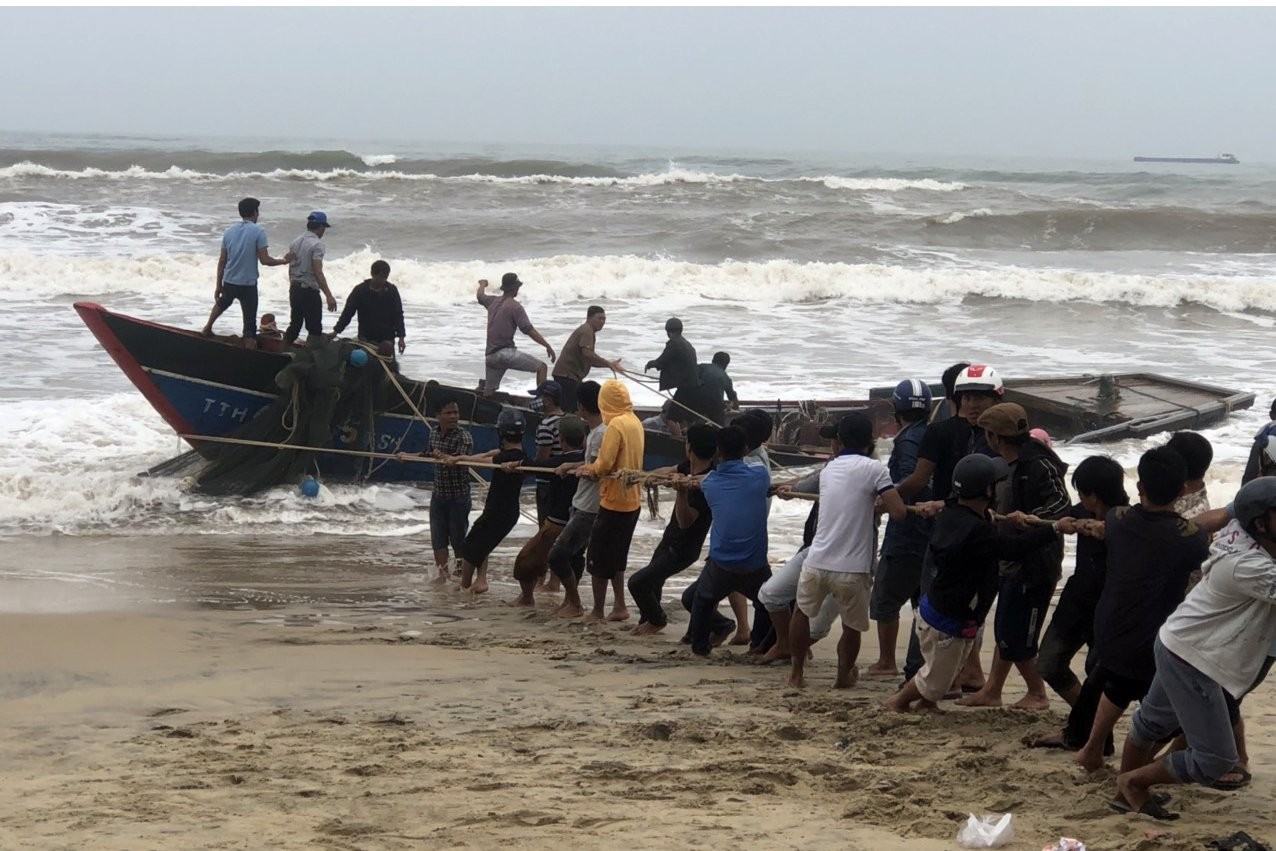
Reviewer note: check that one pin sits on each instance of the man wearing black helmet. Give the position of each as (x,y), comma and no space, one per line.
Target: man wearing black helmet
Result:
(1216,642)
(500,512)
(677,364)
(505,316)
(899,570)
(963,558)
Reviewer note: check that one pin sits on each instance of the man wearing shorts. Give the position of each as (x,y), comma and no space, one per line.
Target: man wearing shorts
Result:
(505,316)
(618,503)
(840,561)
(532,561)
(1036,487)
(1152,551)
(737,562)
(962,561)
(450,496)
(243,247)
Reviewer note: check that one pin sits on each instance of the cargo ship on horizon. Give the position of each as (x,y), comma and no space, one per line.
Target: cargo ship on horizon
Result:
(1224,159)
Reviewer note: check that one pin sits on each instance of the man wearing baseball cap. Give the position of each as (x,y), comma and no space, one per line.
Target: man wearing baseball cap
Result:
(549,394)
(1037,488)
(504,317)
(306,279)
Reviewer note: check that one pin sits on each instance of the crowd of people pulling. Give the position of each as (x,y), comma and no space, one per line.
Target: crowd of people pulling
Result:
(1174,601)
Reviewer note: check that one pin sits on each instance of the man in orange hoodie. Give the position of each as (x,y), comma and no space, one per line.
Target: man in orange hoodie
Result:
(619,504)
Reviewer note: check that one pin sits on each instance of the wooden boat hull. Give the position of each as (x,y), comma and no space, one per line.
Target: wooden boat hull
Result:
(207,386)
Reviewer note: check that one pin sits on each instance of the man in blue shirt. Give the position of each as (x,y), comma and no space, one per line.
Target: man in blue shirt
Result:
(737,497)
(243,247)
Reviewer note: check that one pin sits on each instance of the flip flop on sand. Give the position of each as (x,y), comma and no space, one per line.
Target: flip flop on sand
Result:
(1239,841)
(1155,807)
(1242,780)
(1047,740)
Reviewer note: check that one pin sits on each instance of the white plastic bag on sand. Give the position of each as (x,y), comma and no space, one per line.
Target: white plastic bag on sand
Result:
(991,831)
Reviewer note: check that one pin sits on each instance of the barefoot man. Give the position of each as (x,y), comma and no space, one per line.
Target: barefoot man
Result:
(683,540)
(567,556)
(840,561)
(962,560)
(533,559)
(450,496)
(618,503)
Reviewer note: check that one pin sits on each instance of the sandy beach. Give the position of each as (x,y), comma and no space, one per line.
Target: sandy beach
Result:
(457,722)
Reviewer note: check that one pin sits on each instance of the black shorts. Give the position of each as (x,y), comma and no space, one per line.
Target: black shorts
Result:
(486,535)
(1021,613)
(1120,689)
(608,554)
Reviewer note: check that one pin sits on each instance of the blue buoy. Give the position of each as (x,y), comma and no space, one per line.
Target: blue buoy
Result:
(358,357)
(310,487)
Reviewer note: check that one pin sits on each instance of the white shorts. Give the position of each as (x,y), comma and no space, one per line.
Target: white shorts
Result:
(502,359)
(944,654)
(849,590)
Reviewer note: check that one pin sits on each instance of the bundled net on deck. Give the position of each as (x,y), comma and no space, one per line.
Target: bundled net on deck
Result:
(321,393)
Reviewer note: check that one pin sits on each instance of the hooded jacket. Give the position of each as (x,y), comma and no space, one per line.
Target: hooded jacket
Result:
(621,450)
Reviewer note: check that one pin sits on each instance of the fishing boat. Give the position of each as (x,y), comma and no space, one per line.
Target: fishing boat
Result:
(1077,409)
(214,388)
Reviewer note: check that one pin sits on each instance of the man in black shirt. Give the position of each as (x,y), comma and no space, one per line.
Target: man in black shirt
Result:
(500,512)
(683,540)
(974,389)
(715,384)
(379,308)
(962,559)
(1151,553)
(677,364)
(1100,483)
(532,562)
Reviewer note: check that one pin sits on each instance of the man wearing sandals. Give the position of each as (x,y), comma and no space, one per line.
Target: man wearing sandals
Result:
(1217,641)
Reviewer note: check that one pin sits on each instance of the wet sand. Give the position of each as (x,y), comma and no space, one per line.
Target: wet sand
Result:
(298,714)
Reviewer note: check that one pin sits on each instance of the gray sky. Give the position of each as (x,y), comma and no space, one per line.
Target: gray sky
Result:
(1051,82)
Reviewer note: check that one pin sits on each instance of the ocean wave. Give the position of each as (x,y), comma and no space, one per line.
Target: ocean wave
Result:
(572,278)
(343,168)
(1113,228)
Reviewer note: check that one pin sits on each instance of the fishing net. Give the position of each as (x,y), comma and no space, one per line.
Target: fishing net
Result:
(322,396)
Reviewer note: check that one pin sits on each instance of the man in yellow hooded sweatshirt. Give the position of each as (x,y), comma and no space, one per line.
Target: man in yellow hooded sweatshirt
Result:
(619,504)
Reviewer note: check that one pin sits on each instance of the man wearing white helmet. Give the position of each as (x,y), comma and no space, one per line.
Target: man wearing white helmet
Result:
(976,388)
(1215,643)
(899,569)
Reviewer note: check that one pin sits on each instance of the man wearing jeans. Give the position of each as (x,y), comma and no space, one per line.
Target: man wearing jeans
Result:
(505,316)
(737,497)
(450,496)
(1215,643)
(243,247)
(307,280)
(680,546)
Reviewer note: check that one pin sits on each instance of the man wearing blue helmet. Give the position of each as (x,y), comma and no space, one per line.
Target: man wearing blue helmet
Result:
(899,569)
(307,281)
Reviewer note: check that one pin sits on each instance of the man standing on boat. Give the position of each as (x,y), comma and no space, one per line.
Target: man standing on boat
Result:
(579,357)
(243,247)
(307,279)
(677,364)
(377,303)
(505,316)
